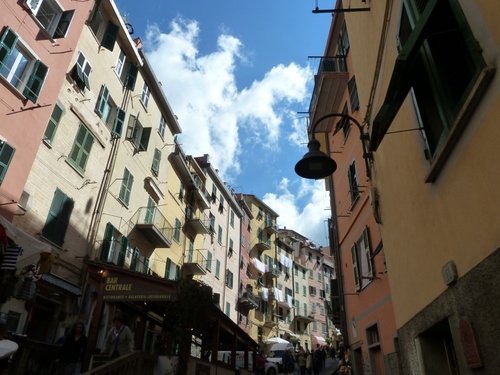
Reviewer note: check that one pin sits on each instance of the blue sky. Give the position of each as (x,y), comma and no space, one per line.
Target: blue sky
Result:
(236,73)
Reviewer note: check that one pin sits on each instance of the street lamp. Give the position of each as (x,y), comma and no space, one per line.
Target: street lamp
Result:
(315,164)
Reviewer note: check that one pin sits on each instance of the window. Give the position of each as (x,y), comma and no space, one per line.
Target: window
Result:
(145,95)
(217,268)
(260,235)
(353,182)
(322,309)
(20,67)
(172,270)
(260,215)
(81,72)
(296,287)
(323,328)
(242,240)
(150,211)
(109,34)
(296,271)
(114,246)
(312,290)
(126,187)
(221,204)
(303,274)
(231,220)
(228,308)
(6,154)
(162,126)
(315,326)
(219,235)
(353,94)
(311,274)
(82,145)
(191,250)
(55,119)
(446,74)
(209,261)
(131,77)
(212,222)
(344,123)
(361,261)
(229,279)
(137,134)
(231,248)
(214,193)
(120,63)
(58,218)
(313,306)
(305,308)
(319,276)
(155,166)
(343,41)
(304,290)
(106,108)
(51,16)
(177,230)
(327,288)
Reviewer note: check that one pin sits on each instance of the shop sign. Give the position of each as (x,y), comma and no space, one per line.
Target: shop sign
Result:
(125,288)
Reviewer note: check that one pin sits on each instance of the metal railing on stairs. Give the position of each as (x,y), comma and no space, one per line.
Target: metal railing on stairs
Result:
(137,362)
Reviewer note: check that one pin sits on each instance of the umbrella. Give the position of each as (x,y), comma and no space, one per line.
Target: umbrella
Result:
(276,340)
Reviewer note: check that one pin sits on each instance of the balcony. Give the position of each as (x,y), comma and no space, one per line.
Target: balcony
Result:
(115,252)
(200,224)
(151,223)
(272,272)
(195,264)
(263,245)
(248,300)
(305,318)
(271,226)
(270,321)
(330,84)
(192,180)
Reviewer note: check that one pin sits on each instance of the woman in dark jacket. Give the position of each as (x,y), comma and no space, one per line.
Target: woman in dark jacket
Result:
(72,351)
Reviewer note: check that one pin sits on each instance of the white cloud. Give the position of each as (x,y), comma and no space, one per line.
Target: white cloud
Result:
(311,221)
(202,90)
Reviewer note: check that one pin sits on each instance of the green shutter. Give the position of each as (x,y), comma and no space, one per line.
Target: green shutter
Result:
(217,268)
(55,119)
(58,218)
(35,81)
(81,148)
(146,266)
(146,132)
(167,269)
(126,187)
(119,121)
(7,43)
(6,154)
(156,162)
(177,272)
(103,102)
(123,252)
(106,243)
(110,35)
(131,126)
(135,259)
(133,71)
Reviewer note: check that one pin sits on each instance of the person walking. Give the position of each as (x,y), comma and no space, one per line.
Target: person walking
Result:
(72,352)
(260,363)
(317,362)
(119,340)
(309,363)
(288,363)
(302,363)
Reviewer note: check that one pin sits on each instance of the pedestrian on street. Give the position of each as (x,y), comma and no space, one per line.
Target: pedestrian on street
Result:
(309,363)
(302,363)
(316,362)
(119,340)
(72,352)
(260,363)
(288,363)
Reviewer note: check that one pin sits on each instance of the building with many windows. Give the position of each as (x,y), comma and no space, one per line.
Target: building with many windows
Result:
(430,100)
(361,295)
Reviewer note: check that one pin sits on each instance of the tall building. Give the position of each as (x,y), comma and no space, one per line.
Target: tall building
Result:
(362,301)
(425,72)
(263,229)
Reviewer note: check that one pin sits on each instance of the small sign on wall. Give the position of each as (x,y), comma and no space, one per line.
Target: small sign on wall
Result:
(449,272)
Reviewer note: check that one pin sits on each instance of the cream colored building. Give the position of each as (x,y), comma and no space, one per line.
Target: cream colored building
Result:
(222,246)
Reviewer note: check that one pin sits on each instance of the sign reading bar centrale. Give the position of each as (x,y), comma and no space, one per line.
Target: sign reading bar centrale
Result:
(124,288)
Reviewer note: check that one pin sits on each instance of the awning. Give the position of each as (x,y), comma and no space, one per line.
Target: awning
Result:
(318,340)
(61,283)
(31,246)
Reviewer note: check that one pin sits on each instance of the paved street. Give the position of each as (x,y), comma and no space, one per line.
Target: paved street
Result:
(330,366)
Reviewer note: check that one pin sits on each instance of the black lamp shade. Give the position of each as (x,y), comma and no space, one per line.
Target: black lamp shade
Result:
(315,164)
